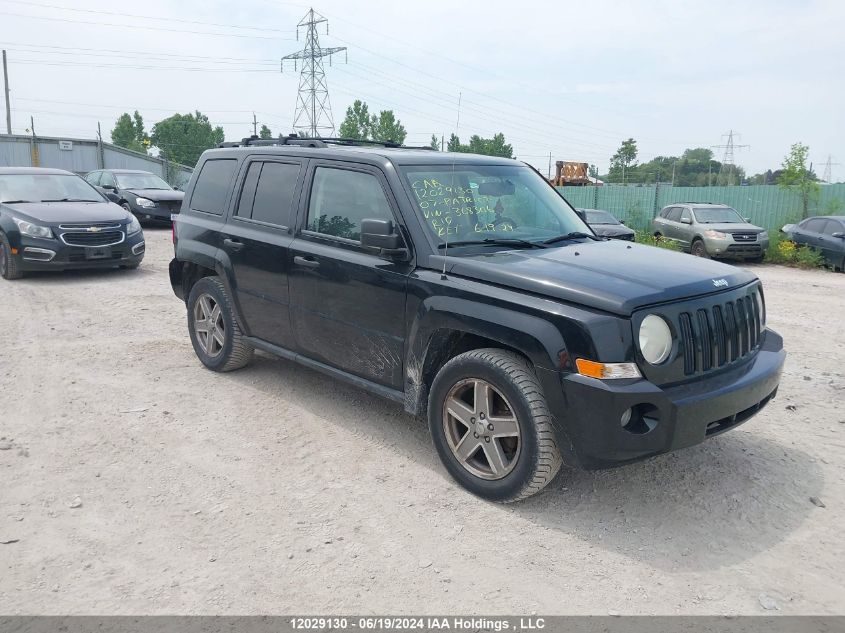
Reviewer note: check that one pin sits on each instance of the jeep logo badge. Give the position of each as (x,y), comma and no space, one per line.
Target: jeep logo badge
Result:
(720,283)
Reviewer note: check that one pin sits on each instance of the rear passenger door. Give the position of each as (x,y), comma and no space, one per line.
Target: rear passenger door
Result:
(673,221)
(833,248)
(257,238)
(347,301)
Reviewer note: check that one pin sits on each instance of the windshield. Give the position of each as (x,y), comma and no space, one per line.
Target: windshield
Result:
(45,188)
(140,181)
(470,203)
(719,215)
(599,217)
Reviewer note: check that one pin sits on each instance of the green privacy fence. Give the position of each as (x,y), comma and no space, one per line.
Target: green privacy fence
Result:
(768,206)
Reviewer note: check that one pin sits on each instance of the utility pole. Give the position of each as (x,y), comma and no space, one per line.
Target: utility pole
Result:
(35,155)
(458,122)
(254,125)
(313,108)
(728,160)
(101,157)
(550,165)
(442,142)
(6,94)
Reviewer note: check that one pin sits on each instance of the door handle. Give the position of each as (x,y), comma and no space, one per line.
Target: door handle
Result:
(235,245)
(308,262)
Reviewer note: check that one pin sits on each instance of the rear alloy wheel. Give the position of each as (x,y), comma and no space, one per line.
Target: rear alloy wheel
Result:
(491,425)
(8,264)
(215,335)
(699,250)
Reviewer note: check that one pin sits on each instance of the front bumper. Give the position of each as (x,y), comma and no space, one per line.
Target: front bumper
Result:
(36,254)
(589,412)
(732,249)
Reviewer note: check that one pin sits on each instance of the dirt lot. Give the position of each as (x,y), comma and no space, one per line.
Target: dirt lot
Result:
(277,490)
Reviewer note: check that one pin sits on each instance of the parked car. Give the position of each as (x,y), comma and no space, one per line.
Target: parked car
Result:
(146,195)
(467,289)
(826,233)
(711,230)
(605,224)
(51,219)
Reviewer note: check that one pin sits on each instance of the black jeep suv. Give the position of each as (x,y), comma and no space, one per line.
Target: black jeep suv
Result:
(466,287)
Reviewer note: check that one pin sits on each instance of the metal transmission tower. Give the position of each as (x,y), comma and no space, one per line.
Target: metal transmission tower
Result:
(313,108)
(828,175)
(728,159)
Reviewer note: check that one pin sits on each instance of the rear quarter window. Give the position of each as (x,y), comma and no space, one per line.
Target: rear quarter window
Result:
(212,187)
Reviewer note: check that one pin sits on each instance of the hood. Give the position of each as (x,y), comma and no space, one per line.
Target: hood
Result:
(609,230)
(613,276)
(733,227)
(158,195)
(69,212)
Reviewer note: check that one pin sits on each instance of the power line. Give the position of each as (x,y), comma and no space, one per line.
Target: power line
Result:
(728,160)
(313,107)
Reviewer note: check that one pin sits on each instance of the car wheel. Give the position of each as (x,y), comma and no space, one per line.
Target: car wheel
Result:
(215,335)
(756,260)
(699,250)
(8,264)
(658,236)
(491,425)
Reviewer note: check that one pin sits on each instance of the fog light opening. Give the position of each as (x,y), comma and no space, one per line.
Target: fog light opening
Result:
(640,419)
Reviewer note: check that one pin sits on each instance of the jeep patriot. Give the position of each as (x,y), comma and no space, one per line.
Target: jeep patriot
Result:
(467,289)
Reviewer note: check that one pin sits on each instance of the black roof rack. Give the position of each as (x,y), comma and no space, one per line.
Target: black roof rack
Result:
(293,139)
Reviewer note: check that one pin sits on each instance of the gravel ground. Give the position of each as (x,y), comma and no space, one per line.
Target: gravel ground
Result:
(136,482)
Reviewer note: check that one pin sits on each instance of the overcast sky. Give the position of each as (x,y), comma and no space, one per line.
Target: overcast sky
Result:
(573,79)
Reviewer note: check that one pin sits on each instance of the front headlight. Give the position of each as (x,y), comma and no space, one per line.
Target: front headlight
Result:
(655,339)
(33,230)
(133,227)
(718,235)
(763,236)
(144,203)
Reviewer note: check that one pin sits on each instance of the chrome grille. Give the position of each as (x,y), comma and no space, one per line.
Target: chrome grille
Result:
(93,238)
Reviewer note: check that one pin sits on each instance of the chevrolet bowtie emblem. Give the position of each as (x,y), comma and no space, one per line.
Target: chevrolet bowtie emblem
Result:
(93,229)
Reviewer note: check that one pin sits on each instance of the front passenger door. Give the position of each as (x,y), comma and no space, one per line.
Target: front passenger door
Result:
(347,301)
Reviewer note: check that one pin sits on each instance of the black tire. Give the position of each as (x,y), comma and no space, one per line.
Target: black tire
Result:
(538,458)
(131,266)
(234,352)
(8,263)
(698,249)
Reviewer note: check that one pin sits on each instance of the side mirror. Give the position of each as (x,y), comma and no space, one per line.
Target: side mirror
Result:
(747,219)
(380,234)
(622,222)
(111,195)
(841,236)
(109,187)
(686,220)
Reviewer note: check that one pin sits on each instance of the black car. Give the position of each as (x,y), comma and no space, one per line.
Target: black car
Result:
(605,224)
(465,288)
(52,219)
(826,233)
(146,195)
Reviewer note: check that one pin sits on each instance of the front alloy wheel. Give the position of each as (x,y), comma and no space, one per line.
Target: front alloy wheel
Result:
(481,429)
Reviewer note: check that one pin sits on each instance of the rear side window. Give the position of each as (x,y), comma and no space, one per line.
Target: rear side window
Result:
(274,195)
(341,198)
(209,194)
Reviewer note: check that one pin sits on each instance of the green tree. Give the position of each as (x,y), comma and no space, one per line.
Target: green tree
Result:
(357,122)
(183,137)
(495,146)
(386,127)
(129,132)
(796,177)
(435,144)
(624,158)
(265,132)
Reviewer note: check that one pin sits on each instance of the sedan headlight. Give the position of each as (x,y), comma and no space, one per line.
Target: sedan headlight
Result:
(33,230)
(718,235)
(655,339)
(144,203)
(133,227)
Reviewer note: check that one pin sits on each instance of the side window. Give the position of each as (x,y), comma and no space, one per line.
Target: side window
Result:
(341,198)
(685,214)
(833,227)
(107,179)
(274,195)
(94,178)
(816,225)
(247,199)
(665,213)
(674,214)
(212,185)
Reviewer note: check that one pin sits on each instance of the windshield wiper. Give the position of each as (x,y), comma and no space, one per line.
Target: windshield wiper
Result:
(501,241)
(71,200)
(14,201)
(574,235)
